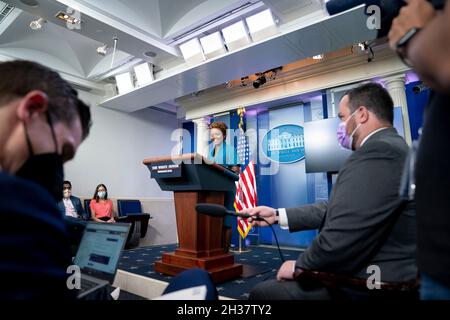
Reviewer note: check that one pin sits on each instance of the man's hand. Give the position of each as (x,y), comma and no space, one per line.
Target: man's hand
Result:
(416,14)
(286,271)
(265,212)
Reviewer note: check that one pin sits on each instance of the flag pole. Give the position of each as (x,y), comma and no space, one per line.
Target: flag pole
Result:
(241,248)
(242,155)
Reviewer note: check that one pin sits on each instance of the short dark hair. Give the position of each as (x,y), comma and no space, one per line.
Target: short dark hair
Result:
(375,98)
(19,77)
(67,182)
(221,126)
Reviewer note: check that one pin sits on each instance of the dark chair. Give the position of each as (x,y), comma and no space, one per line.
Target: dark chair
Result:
(408,290)
(130,211)
(87,209)
(76,228)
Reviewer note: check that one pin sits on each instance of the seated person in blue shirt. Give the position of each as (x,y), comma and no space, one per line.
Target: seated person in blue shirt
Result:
(224,154)
(71,205)
(42,123)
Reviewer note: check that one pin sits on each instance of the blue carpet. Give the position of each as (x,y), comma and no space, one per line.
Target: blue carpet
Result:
(140,261)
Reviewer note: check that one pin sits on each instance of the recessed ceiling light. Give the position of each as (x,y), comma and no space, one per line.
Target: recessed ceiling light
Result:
(30,3)
(150,54)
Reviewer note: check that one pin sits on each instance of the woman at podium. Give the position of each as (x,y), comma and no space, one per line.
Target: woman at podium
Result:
(224,154)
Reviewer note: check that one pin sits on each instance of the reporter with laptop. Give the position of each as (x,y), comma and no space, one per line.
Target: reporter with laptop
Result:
(42,124)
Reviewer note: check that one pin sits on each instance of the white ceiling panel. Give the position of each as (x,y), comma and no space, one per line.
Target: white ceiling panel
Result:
(277,51)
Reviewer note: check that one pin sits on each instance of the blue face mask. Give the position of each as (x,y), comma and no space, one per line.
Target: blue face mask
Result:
(101,194)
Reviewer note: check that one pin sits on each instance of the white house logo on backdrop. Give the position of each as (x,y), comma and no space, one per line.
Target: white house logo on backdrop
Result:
(284,144)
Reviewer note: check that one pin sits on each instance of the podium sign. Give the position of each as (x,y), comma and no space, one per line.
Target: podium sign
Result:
(165,170)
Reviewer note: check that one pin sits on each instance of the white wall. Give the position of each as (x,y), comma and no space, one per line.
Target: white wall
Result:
(115,148)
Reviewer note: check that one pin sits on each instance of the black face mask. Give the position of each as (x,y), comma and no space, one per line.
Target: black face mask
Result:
(44,169)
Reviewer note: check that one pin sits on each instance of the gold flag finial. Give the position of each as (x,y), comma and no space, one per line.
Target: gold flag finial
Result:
(241,113)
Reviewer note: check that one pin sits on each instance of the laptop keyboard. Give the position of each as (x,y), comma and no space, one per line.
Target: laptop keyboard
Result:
(87,285)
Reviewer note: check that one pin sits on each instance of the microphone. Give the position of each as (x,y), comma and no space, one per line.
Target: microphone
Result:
(216,210)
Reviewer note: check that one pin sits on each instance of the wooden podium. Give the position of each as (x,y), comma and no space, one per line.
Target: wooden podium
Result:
(200,237)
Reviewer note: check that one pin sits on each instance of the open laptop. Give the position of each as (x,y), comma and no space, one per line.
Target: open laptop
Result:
(98,254)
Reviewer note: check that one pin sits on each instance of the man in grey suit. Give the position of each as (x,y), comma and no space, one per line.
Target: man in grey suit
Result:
(364,226)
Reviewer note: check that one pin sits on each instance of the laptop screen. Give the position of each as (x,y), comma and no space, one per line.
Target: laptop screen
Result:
(100,249)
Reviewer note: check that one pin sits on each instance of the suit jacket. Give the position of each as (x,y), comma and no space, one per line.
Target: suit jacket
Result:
(77,205)
(34,242)
(363,223)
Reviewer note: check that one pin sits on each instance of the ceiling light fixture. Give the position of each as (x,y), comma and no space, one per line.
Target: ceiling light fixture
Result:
(66,17)
(245,81)
(114,50)
(37,24)
(260,81)
(266,76)
(318,57)
(364,48)
(102,50)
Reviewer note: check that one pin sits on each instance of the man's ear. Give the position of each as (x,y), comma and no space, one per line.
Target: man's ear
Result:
(364,115)
(33,102)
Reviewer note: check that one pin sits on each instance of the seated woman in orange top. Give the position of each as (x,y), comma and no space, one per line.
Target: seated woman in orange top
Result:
(101,206)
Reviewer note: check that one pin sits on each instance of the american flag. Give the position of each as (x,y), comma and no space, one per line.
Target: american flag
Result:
(246,196)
